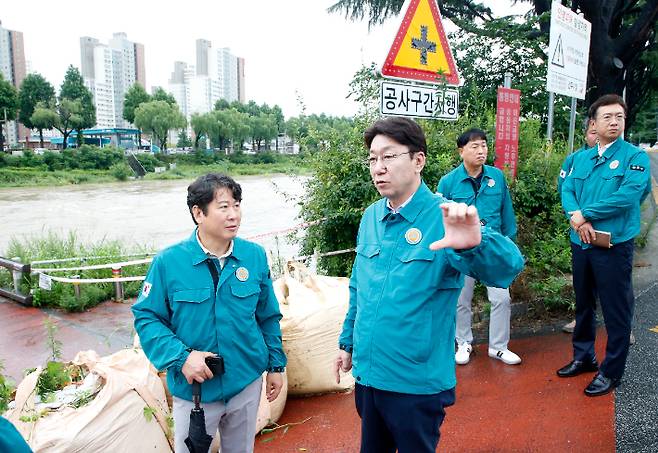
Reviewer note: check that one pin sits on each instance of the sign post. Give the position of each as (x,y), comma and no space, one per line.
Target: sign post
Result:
(421,59)
(568,58)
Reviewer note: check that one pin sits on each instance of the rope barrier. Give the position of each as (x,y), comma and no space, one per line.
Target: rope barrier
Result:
(136,278)
(318,255)
(94,266)
(85,258)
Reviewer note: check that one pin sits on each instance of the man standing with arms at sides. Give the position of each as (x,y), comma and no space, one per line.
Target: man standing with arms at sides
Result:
(484,187)
(565,170)
(412,248)
(603,193)
(207,313)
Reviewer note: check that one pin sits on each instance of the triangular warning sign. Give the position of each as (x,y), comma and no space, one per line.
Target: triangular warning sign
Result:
(420,49)
(558,54)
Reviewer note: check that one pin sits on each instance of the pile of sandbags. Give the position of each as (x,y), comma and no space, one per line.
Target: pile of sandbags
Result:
(313,309)
(128,411)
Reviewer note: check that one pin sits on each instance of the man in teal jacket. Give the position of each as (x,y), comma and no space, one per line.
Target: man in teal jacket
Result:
(210,296)
(603,193)
(484,187)
(398,334)
(590,141)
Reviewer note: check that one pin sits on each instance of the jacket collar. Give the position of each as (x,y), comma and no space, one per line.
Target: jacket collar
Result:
(199,256)
(411,210)
(463,174)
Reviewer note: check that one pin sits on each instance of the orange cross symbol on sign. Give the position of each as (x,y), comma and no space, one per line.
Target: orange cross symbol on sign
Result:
(420,50)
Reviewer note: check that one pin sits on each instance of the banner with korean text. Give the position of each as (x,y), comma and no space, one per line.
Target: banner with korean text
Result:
(507,129)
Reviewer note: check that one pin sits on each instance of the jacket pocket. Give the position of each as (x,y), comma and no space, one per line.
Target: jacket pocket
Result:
(410,254)
(245,296)
(367,250)
(192,296)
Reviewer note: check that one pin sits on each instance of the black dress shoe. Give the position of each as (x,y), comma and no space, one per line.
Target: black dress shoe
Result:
(577,367)
(601,385)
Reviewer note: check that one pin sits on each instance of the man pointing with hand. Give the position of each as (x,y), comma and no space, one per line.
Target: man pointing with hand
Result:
(398,336)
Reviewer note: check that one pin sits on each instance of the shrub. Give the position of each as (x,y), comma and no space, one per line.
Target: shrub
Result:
(121,171)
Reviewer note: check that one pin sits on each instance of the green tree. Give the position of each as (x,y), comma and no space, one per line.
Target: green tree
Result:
(201,124)
(161,95)
(221,124)
(8,106)
(158,117)
(222,104)
(35,90)
(43,118)
(183,140)
(74,89)
(263,129)
(135,96)
(70,117)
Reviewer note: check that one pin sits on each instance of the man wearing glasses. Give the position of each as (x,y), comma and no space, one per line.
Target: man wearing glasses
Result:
(412,248)
(603,193)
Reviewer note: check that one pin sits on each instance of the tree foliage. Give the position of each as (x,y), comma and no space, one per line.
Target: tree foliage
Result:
(8,105)
(35,89)
(74,89)
(135,96)
(158,117)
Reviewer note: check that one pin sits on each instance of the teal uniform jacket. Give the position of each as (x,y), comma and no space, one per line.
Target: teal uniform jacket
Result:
(400,324)
(177,309)
(565,170)
(493,200)
(608,191)
(11,440)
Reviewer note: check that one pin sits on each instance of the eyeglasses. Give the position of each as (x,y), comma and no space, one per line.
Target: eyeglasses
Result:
(609,116)
(386,159)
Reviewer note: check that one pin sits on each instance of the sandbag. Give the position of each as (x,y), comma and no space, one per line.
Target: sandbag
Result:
(313,309)
(113,421)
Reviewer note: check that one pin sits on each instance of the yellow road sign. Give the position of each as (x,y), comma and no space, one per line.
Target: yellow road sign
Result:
(420,50)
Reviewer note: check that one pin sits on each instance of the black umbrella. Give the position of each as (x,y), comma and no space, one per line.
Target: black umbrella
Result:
(198,440)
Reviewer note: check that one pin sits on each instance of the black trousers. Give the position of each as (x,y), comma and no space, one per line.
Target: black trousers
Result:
(404,422)
(608,273)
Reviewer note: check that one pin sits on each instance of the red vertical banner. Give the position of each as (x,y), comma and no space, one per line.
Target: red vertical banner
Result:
(507,129)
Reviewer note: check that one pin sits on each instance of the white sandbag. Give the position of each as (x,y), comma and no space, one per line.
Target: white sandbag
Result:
(113,421)
(313,309)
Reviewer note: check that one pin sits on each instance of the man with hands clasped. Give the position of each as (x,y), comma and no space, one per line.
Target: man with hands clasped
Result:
(603,193)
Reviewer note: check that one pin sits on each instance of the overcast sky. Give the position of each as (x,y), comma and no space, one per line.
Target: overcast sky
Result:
(290,46)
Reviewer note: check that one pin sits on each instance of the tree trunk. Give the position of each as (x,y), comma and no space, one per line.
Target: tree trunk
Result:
(2,138)
(66,139)
(41,138)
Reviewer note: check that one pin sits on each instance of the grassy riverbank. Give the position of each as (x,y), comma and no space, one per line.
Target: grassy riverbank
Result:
(51,246)
(80,168)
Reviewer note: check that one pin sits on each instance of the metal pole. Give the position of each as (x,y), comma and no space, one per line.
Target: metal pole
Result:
(572,124)
(76,288)
(508,80)
(118,286)
(549,126)
(17,276)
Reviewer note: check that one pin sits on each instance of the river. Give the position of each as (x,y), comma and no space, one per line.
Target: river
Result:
(150,213)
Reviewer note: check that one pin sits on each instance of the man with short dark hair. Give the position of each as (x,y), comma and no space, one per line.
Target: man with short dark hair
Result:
(412,248)
(483,186)
(209,300)
(603,193)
